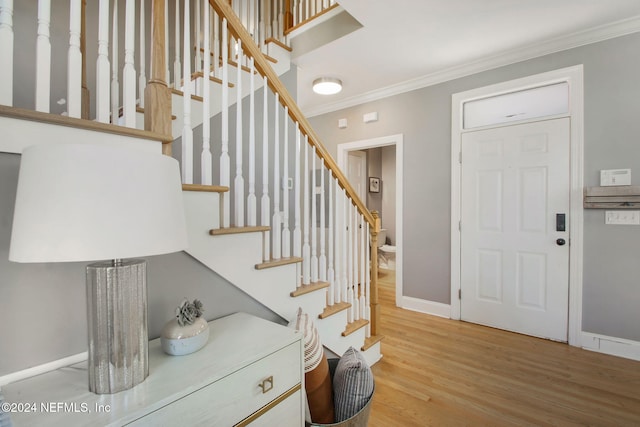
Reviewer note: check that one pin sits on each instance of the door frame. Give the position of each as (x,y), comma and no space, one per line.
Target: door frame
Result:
(383,141)
(574,77)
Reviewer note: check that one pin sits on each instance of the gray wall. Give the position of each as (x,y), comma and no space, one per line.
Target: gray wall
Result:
(611,288)
(43,306)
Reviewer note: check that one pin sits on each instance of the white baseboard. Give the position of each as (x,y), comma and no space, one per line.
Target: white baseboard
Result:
(611,345)
(427,307)
(41,369)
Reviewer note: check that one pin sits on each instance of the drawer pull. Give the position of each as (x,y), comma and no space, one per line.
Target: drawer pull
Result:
(266,385)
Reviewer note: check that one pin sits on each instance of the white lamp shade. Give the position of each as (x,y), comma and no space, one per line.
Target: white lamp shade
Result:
(327,86)
(80,202)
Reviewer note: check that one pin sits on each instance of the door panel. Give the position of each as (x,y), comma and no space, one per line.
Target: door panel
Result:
(514,276)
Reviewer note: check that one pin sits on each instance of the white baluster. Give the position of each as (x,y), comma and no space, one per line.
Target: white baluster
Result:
(286,234)
(330,267)
(198,60)
(356,264)
(322,259)
(206,161)
(265,201)
(6,52)
(314,225)
(216,45)
(225,162)
(350,299)
(367,288)
(102,64)
(306,249)
(297,232)
(262,26)
(238,183)
(115,84)
(363,263)
(166,42)
(313,10)
(252,213)
(274,20)
(337,244)
(177,65)
(187,132)
(129,70)
(74,61)
(276,224)
(344,231)
(43,57)
(142,79)
(280,35)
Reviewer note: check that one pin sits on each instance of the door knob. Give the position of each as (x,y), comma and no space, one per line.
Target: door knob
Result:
(560,242)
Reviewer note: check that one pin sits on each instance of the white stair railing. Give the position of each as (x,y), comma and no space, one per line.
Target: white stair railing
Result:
(252,212)
(206,158)
(265,200)
(74,61)
(6,51)
(102,64)
(187,131)
(286,233)
(276,224)
(225,161)
(239,179)
(177,64)
(129,71)
(142,79)
(115,82)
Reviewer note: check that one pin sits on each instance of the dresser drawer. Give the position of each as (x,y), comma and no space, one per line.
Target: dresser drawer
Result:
(224,402)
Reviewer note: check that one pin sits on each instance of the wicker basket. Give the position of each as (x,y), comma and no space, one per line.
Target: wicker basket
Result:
(361,419)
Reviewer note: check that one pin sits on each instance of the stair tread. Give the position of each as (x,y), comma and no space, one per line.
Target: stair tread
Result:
(279,43)
(207,188)
(305,289)
(181,93)
(278,262)
(354,326)
(371,341)
(141,110)
(334,309)
(238,230)
(199,74)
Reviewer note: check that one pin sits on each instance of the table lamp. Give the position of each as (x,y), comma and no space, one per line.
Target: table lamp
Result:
(83,202)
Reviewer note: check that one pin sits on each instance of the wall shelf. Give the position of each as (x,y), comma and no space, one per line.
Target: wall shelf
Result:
(614,197)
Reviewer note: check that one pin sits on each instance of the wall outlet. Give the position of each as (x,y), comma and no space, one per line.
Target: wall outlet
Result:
(609,177)
(622,217)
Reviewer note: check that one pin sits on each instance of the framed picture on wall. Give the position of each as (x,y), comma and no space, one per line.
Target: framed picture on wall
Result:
(374,184)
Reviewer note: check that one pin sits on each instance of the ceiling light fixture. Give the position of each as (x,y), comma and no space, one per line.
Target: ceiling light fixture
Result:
(327,85)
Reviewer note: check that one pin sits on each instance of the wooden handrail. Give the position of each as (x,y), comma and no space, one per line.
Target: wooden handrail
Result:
(264,68)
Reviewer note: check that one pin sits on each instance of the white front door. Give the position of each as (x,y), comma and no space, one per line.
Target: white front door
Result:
(514,256)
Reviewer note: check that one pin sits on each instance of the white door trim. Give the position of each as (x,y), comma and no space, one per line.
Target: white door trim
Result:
(383,141)
(574,77)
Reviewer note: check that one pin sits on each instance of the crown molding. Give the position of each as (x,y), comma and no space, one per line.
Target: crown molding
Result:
(581,38)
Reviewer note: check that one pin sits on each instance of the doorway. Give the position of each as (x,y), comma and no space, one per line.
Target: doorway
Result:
(343,151)
(572,78)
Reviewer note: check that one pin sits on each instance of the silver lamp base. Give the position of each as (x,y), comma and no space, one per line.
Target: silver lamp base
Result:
(117,325)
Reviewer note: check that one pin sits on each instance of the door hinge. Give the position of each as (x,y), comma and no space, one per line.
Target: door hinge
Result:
(459,225)
(459,293)
(460,157)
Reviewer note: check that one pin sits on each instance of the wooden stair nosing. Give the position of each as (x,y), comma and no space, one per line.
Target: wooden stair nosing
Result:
(91,125)
(371,341)
(354,326)
(279,43)
(334,309)
(305,289)
(141,110)
(278,262)
(269,58)
(199,74)
(238,230)
(205,188)
(181,93)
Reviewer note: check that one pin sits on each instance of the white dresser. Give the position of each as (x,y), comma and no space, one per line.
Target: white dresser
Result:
(249,373)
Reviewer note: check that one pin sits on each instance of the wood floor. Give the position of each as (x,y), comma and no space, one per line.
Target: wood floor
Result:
(440,372)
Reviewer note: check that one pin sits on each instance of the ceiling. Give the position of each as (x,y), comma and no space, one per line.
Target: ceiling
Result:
(406,44)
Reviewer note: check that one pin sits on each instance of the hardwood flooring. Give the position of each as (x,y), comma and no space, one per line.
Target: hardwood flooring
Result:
(441,372)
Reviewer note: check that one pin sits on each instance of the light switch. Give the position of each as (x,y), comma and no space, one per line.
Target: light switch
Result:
(622,217)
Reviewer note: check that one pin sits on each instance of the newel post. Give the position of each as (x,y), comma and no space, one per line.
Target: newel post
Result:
(157,97)
(375,312)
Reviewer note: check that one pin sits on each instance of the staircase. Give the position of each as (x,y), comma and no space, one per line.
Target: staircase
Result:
(314,248)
